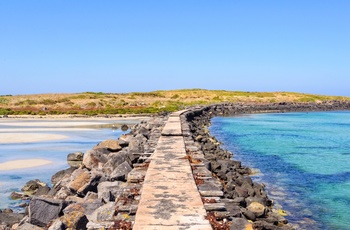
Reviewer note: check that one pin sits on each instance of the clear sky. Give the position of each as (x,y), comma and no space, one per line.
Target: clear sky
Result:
(125,46)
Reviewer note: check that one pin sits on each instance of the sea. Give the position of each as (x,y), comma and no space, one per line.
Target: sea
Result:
(79,139)
(303,158)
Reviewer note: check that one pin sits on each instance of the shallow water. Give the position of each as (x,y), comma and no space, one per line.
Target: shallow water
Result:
(304,159)
(78,139)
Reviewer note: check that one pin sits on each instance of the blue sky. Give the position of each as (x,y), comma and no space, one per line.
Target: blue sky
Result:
(126,46)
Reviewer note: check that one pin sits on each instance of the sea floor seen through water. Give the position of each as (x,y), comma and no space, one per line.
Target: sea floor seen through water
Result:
(303,159)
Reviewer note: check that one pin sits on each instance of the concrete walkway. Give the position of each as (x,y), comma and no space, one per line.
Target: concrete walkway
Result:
(170,198)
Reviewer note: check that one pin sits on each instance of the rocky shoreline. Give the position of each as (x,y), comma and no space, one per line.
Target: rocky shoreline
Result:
(102,188)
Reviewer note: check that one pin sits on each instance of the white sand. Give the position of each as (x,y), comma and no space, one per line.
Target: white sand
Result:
(9,138)
(21,164)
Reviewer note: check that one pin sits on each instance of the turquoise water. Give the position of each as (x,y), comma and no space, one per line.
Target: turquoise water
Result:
(56,151)
(303,158)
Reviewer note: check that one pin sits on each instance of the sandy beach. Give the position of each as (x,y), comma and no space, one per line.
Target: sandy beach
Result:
(10,138)
(21,164)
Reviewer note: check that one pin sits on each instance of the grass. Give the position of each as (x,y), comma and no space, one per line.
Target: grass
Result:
(92,103)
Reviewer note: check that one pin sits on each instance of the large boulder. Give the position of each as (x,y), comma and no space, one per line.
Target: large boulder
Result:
(115,159)
(124,140)
(111,145)
(83,181)
(258,209)
(121,172)
(96,157)
(60,175)
(43,210)
(74,220)
(109,191)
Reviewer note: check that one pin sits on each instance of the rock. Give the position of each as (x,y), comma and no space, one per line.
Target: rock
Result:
(239,224)
(74,220)
(241,191)
(61,174)
(57,225)
(110,145)
(63,193)
(104,213)
(43,190)
(124,140)
(83,181)
(10,218)
(43,210)
(124,127)
(109,191)
(93,158)
(7,211)
(115,159)
(28,226)
(121,172)
(77,156)
(17,196)
(257,208)
(249,215)
(135,144)
(32,185)
(137,175)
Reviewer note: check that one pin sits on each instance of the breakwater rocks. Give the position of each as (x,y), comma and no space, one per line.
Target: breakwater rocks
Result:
(231,198)
(100,191)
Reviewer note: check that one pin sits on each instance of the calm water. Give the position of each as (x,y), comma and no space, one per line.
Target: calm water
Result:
(56,151)
(303,158)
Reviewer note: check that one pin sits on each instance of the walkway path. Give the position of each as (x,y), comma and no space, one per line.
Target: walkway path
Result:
(170,198)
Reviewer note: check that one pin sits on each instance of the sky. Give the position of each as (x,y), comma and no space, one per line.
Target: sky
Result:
(117,46)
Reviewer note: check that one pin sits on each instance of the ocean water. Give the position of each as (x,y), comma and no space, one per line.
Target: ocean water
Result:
(302,158)
(56,151)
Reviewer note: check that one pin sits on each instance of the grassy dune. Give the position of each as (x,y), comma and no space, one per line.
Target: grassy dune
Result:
(91,103)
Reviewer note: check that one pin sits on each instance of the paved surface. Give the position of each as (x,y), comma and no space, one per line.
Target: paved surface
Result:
(170,198)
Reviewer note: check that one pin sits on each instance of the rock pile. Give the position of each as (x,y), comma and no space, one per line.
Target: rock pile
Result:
(100,190)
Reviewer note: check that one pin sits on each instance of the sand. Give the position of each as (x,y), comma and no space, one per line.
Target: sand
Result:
(21,164)
(10,138)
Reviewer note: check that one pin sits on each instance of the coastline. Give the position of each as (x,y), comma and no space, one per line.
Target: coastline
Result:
(195,120)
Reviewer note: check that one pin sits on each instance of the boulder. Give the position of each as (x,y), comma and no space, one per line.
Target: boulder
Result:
(109,191)
(135,144)
(93,158)
(43,190)
(124,140)
(239,224)
(83,181)
(104,213)
(115,159)
(57,225)
(77,156)
(110,145)
(31,186)
(75,159)
(43,210)
(121,172)
(74,220)
(257,208)
(61,175)
(10,218)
